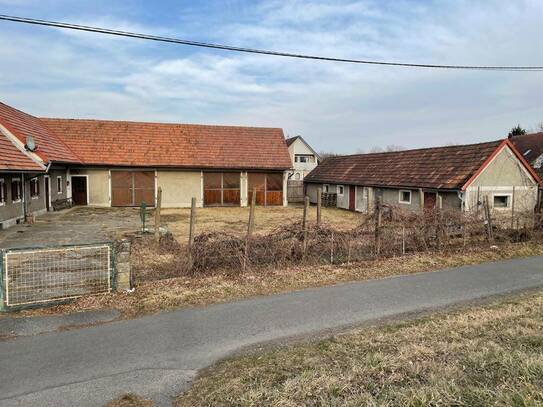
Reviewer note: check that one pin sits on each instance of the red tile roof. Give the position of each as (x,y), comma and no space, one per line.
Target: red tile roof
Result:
(21,125)
(531,148)
(13,159)
(118,143)
(440,167)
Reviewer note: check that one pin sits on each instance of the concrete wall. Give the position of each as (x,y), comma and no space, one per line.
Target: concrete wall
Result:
(391,196)
(179,187)
(498,178)
(299,147)
(55,193)
(97,185)
(342,200)
(35,205)
(10,211)
(362,199)
(504,170)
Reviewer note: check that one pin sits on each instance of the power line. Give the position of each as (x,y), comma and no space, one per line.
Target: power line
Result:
(179,41)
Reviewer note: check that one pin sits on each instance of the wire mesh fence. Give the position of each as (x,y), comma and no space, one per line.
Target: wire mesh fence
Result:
(395,232)
(45,274)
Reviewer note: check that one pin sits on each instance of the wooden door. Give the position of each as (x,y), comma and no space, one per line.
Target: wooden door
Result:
(131,188)
(79,190)
(352,197)
(429,200)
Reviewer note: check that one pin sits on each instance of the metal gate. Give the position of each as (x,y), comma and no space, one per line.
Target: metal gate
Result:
(43,274)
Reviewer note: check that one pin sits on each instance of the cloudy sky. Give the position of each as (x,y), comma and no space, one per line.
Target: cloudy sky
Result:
(337,107)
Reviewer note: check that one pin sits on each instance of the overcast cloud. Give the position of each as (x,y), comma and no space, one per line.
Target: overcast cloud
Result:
(337,107)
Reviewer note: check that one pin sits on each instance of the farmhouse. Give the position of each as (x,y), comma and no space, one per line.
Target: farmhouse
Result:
(44,162)
(456,177)
(304,158)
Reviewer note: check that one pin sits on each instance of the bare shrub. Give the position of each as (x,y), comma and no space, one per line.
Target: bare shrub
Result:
(401,232)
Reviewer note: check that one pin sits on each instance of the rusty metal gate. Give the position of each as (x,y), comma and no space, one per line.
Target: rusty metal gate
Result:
(39,275)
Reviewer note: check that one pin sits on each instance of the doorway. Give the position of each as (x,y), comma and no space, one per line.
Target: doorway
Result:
(47,194)
(352,198)
(79,190)
(430,200)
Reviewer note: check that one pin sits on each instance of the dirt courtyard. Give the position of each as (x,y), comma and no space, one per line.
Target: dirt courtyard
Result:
(92,224)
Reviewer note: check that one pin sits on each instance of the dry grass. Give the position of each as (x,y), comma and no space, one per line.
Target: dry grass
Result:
(130,400)
(485,356)
(234,220)
(153,296)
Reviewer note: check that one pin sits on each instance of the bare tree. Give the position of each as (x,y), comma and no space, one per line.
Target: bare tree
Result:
(387,149)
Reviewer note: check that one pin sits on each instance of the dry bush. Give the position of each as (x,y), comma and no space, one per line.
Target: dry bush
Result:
(401,232)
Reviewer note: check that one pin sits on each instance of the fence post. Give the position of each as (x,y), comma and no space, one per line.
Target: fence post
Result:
(378,218)
(403,240)
(488,218)
(192,223)
(157,213)
(304,222)
(319,206)
(250,227)
(513,208)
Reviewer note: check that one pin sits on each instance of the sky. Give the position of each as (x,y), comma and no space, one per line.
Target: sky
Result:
(336,107)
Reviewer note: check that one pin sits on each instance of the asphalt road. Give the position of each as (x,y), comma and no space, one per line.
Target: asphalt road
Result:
(156,356)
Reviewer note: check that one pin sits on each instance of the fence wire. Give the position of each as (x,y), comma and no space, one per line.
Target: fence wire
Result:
(39,275)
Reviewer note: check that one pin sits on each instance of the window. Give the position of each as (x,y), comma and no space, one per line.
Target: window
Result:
(34,188)
(297,176)
(303,158)
(405,197)
(2,192)
(502,201)
(16,189)
(59,185)
(326,188)
(340,190)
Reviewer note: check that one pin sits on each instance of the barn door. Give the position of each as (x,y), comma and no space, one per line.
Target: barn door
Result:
(131,188)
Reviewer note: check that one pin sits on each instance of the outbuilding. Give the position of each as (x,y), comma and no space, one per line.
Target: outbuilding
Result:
(455,177)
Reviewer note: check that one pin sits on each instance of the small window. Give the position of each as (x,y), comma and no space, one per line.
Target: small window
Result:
(60,188)
(297,176)
(326,188)
(502,201)
(405,197)
(16,190)
(34,188)
(340,190)
(2,192)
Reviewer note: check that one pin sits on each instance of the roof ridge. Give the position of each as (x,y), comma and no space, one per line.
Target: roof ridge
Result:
(418,149)
(159,123)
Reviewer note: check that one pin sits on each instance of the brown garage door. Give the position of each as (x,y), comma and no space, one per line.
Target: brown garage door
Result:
(221,189)
(269,188)
(131,188)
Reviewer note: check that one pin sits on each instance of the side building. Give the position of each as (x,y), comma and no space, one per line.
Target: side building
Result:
(456,177)
(47,163)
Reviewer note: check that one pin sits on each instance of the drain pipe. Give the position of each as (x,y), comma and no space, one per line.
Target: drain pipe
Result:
(462,200)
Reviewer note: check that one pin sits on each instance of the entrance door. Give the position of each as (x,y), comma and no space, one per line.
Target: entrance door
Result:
(131,188)
(429,200)
(79,190)
(47,194)
(352,197)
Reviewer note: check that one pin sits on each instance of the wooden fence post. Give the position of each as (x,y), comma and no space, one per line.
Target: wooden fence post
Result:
(192,222)
(488,219)
(250,227)
(403,240)
(378,218)
(319,206)
(304,223)
(513,209)
(157,213)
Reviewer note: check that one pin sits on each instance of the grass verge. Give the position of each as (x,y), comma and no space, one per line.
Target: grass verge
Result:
(154,296)
(490,355)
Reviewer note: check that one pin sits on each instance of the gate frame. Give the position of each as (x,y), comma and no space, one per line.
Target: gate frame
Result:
(3,256)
